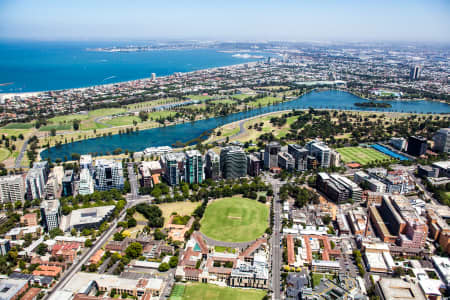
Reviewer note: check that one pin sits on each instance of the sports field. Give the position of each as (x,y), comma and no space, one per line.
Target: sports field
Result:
(361,155)
(4,154)
(202,291)
(235,219)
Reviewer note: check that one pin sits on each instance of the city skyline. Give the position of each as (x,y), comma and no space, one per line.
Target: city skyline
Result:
(417,21)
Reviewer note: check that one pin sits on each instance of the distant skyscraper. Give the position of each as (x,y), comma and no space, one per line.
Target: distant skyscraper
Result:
(414,73)
(108,175)
(11,188)
(271,155)
(193,167)
(233,162)
(212,162)
(442,140)
(153,76)
(417,145)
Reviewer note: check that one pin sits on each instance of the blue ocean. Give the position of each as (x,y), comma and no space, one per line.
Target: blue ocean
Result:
(41,66)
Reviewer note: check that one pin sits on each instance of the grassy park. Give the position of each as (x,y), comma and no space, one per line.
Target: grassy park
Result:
(201,291)
(182,208)
(361,155)
(235,219)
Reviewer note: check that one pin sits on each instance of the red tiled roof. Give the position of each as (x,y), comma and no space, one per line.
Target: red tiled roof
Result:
(290,249)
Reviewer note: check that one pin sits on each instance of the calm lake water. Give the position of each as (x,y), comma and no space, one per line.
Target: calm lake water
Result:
(185,132)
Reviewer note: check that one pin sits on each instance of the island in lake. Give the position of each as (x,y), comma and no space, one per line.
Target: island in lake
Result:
(373,104)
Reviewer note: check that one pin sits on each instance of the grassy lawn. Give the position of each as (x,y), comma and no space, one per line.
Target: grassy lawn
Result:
(316,277)
(105,112)
(199,97)
(139,217)
(361,155)
(223,101)
(264,101)
(68,118)
(235,219)
(121,121)
(201,291)
(158,114)
(4,154)
(66,126)
(224,249)
(18,126)
(182,208)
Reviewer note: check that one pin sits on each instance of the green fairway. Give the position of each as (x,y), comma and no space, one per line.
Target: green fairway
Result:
(66,126)
(361,155)
(158,114)
(235,219)
(202,291)
(68,118)
(121,121)
(18,126)
(223,101)
(4,154)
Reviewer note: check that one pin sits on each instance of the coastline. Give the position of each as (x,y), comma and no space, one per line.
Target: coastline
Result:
(77,89)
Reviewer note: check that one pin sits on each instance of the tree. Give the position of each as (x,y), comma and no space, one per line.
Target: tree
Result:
(173,262)
(131,222)
(143,116)
(88,243)
(41,249)
(134,250)
(262,199)
(164,267)
(159,235)
(76,124)
(326,219)
(118,237)
(53,132)
(55,232)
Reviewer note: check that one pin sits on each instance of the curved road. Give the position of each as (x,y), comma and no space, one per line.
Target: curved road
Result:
(18,163)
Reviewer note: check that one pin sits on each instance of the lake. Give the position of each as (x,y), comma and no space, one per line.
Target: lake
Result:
(167,136)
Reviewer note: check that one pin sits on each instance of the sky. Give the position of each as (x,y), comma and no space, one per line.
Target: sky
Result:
(240,20)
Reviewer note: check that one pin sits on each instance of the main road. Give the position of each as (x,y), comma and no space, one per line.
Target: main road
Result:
(76,267)
(275,242)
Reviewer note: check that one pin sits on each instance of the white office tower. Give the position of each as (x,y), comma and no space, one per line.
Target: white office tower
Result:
(86,163)
(35,184)
(153,76)
(320,151)
(50,212)
(442,140)
(86,186)
(11,188)
(108,175)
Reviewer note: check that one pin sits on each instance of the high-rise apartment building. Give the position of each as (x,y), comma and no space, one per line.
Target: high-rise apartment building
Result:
(86,186)
(417,145)
(35,184)
(11,188)
(108,175)
(442,140)
(300,155)
(193,167)
(86,163)
(414,73)
(67,183)
(271,155)
(233,162)
(321,152)
(51,214)
(173,166)
(212,165)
